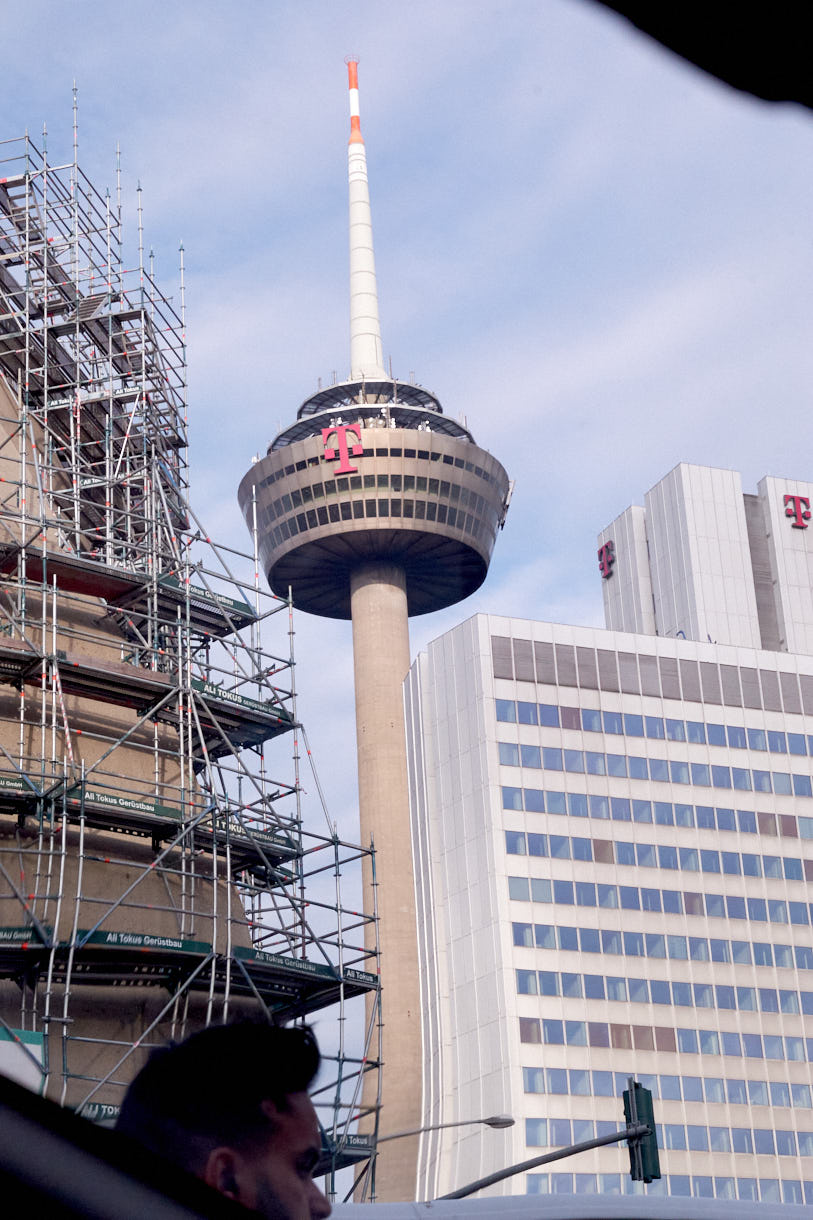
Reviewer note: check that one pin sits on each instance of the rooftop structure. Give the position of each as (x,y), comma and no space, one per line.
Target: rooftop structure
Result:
(155,872)
(701,560)
(375,506)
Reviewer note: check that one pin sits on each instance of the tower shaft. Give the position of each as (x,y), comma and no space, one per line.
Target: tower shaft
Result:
(378,604)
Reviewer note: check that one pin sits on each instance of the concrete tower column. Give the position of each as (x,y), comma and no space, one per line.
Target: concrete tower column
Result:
(378,604)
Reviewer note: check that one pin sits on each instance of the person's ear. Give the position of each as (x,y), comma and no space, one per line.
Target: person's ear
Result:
(270,1110)
(221,1172)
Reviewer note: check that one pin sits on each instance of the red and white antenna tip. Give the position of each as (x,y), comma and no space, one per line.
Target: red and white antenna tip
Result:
(353,88)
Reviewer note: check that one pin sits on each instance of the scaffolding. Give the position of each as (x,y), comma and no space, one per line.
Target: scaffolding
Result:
(155,875)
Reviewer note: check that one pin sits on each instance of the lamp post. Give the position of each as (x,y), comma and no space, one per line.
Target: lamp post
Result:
(497,1121)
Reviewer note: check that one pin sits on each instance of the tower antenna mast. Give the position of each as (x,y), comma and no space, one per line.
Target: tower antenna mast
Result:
(366,352)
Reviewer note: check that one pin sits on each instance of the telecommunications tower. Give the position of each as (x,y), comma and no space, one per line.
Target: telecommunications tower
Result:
(373,506)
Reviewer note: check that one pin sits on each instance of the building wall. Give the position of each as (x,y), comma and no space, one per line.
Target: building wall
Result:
(699,555)
(791,561)
(617,835)
(628,602)
(703,561)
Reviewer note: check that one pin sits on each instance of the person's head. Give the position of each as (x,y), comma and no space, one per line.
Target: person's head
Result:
(230,1104)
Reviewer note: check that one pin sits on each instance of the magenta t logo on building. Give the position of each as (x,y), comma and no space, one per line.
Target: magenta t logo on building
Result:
(344,450)
(606,559)
(798,507)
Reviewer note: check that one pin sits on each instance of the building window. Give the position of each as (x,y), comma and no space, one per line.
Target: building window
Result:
(530,1030)
(515,843)
(512,798)
(533,1080)
(523,935)
(509,754)
(536,1132)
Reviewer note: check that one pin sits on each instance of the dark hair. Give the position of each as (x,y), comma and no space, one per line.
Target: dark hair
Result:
(194,1096)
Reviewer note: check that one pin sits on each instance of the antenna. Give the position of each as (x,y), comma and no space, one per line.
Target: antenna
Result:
(366,351)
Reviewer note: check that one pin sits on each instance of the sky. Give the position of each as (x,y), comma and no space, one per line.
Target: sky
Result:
(598,255)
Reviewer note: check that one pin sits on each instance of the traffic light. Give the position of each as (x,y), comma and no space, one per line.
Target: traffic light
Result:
(644,1162)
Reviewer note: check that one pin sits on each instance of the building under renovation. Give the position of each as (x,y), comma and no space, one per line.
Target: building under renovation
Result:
(153,862)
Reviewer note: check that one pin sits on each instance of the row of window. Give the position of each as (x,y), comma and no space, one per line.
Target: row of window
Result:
(579,1082)
(659,770)
(659,813)
(655,945)
(698,1186)
(672,902)
(658,855)
(479,526)
(658,728)
(550,1031)
(422,455)
(304,496)
(675,1137)
(660,991)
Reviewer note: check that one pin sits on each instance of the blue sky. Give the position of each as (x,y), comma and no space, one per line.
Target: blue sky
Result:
(596,253)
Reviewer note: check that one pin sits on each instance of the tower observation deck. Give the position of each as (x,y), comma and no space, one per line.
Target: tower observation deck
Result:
(374,506)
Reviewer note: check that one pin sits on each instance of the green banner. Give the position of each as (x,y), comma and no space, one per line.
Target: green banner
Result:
(361,976)
(213,691)
(298,966)
(354,1143)
(142,940)
(23,937)
(15,783)
(260,837)
(295,965)
(27,1036)
(236,605)
(110,800)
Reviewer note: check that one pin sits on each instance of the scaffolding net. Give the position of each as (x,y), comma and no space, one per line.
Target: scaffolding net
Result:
(155,874)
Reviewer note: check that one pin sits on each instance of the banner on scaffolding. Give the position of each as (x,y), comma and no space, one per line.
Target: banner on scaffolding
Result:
(299,965)
(142,940)
(237,606)
(360,976)
(126,804)
(272,839)
(14,783)
(22,1056)
(21,938)
(295,965)
(213,691)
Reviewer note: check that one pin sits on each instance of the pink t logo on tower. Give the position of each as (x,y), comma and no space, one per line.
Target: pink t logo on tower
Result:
(344,450)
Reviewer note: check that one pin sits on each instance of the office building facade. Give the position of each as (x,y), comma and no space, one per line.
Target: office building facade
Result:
(613,833)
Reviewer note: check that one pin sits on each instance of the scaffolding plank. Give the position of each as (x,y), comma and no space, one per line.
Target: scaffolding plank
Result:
(72,573)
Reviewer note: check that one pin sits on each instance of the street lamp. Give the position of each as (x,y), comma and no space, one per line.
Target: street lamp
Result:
(494,1120)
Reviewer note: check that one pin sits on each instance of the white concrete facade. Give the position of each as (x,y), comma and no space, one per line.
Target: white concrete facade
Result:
(703,561)
(613,840)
